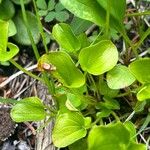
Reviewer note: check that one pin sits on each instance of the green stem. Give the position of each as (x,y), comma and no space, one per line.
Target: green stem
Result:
(49,83)
(40,27)
(28,30)
(25,71)
(126,38)
(138,14)
(115,116)
(142,38)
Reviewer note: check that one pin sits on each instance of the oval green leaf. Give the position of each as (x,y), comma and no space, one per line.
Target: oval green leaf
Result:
(65,69)
(65,37)
(22,34)
(7,10)
(136,146)
(28,109)
(141,70)
(144,93)
(110,137)
(69,128)
(12,28)
(99,58)
(119,77)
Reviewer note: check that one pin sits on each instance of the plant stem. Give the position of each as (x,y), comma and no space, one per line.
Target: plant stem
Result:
(25,71)
(142,38)
(40,27)
(28,30)
(115,116)
(138,14)
(49,83)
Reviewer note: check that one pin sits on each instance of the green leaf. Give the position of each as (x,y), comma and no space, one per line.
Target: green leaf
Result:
(62,16)
(144,93)
(12,28)
(7,10)
(28,109)
(119,77)
(50,16)
(95,11)
(11,51)
(41,4)
(22,34)
(69,128)
(79,145)
(42,12)
(24,1)
(66,70)
(7,50)
(51,5)
(108,104)
(65,37)
(83,40)
(79,25)
(59,7)
(108,137)
(131,127)
(117,8)
(106,91)
(140,69)
(135,146)
(99,58)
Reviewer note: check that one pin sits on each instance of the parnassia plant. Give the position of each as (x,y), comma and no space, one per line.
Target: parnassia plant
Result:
(87,79)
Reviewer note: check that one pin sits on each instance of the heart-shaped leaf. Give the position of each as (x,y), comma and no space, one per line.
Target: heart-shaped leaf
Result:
(69,128)
(119,77)
(28,109)
(7,10)
(110,137)
(144,93)
(22,36)
(99,58)
(141,70)
(65,69)
(65,37)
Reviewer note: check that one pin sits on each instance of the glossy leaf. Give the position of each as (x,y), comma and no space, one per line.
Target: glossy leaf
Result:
(11,51)
(65,37)
(99,58)
(140,69)
(144,93)
(119,77)
(86,9)
(131,127)
(66,70)
(12,28)
(7,10)
(28,109)
(135,146)
(7,50)
(22,34)
(69,128)
(95,11)
(108,137)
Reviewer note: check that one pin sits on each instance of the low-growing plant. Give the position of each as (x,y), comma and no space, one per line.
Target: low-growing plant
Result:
(87,81)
